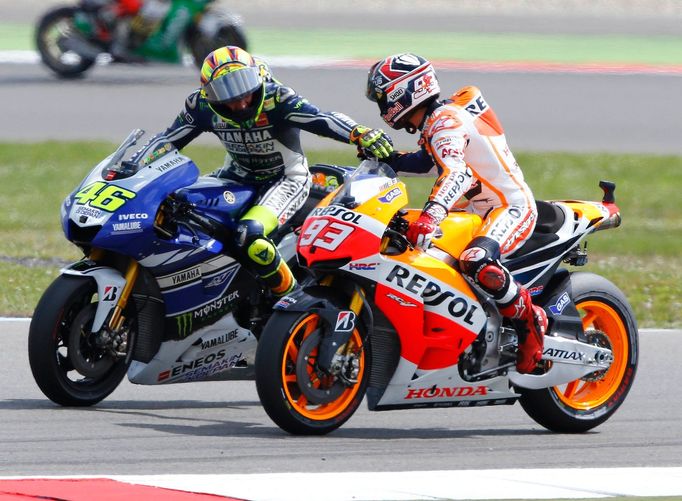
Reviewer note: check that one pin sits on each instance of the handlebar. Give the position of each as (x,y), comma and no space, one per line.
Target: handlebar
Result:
(183,212)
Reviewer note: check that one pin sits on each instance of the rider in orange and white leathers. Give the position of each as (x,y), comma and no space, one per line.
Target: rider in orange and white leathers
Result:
(477,172)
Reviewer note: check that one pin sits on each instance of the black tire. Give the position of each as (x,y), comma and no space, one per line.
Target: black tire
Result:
(200,46)
(583,404)
(56,346)
(323,403)
(54,26)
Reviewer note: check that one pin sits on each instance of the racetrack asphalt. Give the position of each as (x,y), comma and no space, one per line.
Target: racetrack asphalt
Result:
(540,111)
(220,428)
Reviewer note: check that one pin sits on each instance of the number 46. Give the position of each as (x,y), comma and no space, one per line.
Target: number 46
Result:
(104,196)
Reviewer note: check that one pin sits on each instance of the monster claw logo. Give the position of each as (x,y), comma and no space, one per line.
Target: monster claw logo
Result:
(184,324)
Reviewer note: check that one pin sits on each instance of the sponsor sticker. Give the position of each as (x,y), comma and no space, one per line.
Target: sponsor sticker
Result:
(345,321)
(560,304)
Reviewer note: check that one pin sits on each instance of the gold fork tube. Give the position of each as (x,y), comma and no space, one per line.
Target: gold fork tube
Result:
(130,277)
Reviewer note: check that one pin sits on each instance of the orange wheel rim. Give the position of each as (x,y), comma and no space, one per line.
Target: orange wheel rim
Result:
(582,394)
(295,397)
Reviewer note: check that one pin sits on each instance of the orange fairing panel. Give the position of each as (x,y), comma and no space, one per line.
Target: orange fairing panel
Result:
(458,230)
(432,308)
(407,316)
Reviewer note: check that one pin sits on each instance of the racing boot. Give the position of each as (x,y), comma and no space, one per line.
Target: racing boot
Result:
(282,281)
(268,264)
(260,254)
(530,322)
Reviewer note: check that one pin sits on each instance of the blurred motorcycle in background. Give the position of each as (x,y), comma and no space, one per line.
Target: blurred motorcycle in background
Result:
(71,38)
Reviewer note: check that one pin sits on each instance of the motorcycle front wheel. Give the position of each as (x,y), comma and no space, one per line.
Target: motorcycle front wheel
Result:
(299,397)
(608,321)
(54,29)
(70,364)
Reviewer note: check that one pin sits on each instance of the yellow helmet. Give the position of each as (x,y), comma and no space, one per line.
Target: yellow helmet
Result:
(230,75)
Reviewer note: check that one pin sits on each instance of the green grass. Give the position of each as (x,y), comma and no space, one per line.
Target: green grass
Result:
(16,36)
(484,47)
(642,256)
(470,46)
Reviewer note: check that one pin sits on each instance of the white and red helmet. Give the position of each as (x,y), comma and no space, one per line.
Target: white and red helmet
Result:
(399,84)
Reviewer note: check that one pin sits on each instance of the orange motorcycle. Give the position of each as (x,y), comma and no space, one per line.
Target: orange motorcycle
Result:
(402,326)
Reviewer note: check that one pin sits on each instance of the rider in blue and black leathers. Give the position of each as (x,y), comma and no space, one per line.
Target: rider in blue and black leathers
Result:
(258,120)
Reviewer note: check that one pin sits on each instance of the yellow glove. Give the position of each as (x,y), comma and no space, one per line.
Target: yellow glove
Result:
(372,141)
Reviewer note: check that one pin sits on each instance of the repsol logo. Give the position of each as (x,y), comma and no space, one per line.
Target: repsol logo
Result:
(338,212)
(455,391)
(432,293)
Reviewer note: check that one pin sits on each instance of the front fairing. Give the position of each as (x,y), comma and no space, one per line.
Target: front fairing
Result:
(118,214)
(351,226)
(429,304)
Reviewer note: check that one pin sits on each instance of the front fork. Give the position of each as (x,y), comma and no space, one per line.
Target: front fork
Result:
(337,362)
(113,288)
(130,278)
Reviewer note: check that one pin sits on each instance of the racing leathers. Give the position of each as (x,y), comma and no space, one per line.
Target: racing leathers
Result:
(264,152)
(477,172)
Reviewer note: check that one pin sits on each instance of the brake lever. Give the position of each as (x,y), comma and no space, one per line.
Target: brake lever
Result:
(399,236)
(190,228)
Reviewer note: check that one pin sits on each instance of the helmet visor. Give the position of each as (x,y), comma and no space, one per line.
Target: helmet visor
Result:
(233,86)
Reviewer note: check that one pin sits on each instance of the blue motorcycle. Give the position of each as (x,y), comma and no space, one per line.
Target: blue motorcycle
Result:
(159,294)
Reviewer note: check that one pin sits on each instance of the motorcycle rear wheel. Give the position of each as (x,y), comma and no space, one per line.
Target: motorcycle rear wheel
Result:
(608,320)
(67,364)
(53,27)
(296,395)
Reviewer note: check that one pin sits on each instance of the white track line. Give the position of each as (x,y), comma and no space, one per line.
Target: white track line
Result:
(467,484)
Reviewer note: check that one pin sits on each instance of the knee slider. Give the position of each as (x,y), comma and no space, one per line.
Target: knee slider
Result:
(252,241)
(480,263)
(480,252)
(261,251)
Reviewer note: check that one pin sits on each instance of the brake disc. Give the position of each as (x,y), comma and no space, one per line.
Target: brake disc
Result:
(318,387)
(89,359)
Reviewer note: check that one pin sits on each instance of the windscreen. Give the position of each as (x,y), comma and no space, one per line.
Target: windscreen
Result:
(370,178)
